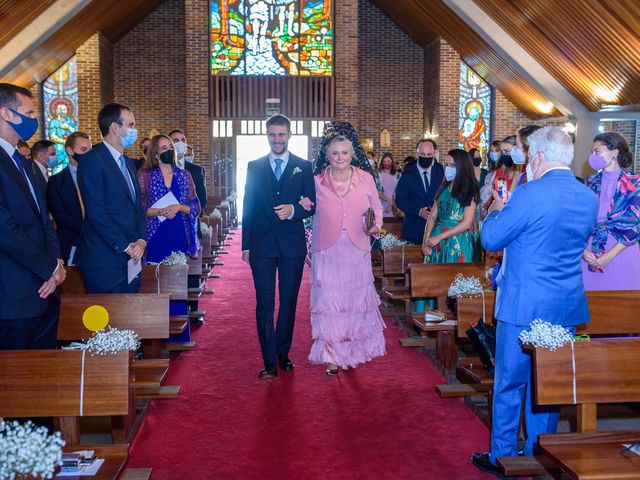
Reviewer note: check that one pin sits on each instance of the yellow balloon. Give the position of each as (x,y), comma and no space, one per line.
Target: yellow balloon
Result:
(95,318)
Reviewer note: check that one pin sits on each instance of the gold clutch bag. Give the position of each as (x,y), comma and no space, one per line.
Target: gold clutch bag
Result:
(369,219)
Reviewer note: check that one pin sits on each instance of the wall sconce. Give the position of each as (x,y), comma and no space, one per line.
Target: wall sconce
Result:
(569,128)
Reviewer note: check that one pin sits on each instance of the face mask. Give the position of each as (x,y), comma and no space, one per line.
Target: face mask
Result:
(27,128)
(53,161)
(598,162)
(181,148)
(425,162)
(167,157)
(477,161)
(494,156)
(517,156)
(530,176)
(130,138)
(506,160)
(77,156)
(189,159)
(449,173)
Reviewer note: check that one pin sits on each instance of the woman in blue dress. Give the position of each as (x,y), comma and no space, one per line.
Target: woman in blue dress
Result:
(173,228)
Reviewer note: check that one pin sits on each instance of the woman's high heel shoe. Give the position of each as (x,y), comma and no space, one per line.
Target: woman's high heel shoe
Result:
(332,370)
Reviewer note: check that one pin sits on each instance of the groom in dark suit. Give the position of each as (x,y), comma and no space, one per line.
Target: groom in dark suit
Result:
(273,240)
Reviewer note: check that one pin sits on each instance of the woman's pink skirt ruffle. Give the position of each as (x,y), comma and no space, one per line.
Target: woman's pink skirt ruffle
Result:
(346,324)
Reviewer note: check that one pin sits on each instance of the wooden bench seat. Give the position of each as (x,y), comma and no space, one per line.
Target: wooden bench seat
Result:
(178,324)
(397,292)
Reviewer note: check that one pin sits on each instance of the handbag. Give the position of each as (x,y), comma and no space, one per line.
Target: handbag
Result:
(369,219)
(483,341)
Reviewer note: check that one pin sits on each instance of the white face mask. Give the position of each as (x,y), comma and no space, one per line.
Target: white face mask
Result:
(530,177)
(517,156)
(189,159)
(181,148)
(449,173)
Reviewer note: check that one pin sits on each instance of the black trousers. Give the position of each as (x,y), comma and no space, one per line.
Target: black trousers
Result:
(108,280)
(276,341)
(35,333)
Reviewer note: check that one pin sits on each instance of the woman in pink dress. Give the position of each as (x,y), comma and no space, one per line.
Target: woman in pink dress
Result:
(347,326)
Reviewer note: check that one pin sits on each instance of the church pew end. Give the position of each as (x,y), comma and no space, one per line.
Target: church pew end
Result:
(417,342)
(158,393)
(179,346)
(472,369)
(460,390)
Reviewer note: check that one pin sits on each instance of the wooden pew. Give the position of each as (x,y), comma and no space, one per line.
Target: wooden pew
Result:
(605,372)
(393,225)
(146,314)
(433,280)
(394,265)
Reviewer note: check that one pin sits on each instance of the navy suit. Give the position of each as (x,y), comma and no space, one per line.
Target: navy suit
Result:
(113,220)
(64,205)
(276,246)
(199,182)
(28,257)
(411,197)
(544,230)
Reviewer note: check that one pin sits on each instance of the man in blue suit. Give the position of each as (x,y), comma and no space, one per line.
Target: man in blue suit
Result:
(30,262)
(544,229)
(63,197)
(416,190)
(273,240)
(115,226)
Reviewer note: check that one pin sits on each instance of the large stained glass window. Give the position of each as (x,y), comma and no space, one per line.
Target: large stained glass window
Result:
(271,37)
(60,93)
(474,111)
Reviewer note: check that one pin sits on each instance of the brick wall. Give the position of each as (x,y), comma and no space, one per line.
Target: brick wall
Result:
(507,119)
(95,82)
(149,71)
(346,65)
(390,72)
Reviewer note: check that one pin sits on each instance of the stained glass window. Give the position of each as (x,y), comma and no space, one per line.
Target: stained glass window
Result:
(60,92)
(271,37)
(474,111)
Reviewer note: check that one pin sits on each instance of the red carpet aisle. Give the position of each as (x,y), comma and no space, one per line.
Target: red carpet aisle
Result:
(381,421)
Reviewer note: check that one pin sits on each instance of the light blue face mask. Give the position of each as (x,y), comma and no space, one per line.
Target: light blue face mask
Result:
(130,138)
(494,156)
(53,161)
(449,173)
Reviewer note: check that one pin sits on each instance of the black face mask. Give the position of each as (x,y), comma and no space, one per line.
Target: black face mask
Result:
(425,162)
(507,161)
(477,161)
(167,157)
(78,156)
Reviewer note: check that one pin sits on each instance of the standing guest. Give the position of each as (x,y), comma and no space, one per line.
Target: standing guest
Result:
(544,228)
(114,229)
(389,177)
(44,157)
(520,154)
(479,171)
(345,318)
(486,189)
(189,157)
(612,257)
(502,180)
(408,161)
(452,230)
(371,156)
(417,189)
(274,241)
(159,176)
(63,196)
(144,146)
(29,252)
(493,156)
(24,149)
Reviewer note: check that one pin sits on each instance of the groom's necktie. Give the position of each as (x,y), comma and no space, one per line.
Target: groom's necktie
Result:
(278,171)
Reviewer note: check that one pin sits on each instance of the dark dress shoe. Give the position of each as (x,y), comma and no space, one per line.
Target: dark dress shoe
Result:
(284,363)
(269,372)
(482,461)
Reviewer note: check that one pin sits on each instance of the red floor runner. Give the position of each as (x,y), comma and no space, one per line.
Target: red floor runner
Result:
(380,421)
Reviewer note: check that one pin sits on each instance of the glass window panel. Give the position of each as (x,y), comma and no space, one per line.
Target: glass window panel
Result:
(216,130)
(229,128)
(474,111)
(243,127)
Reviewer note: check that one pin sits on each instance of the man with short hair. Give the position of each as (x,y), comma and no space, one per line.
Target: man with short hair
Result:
(144,146)
(63,197)
(115,227)
(30,262)
(274,242)
(197,172)
(24,149)
(417,189)
(544,229)
(44,157)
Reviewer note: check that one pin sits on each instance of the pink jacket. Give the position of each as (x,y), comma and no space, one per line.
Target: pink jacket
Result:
(333,212)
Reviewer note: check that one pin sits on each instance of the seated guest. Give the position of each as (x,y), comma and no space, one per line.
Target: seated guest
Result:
(63,197)
(612,258)
(144,146)
(115,228)
(389,177)
(44,157)
(544,228)
(24,149)
(416,191)
(452,229)
(172,228)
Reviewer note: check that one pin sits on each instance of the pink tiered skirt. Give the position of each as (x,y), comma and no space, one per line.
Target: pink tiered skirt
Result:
(346,324)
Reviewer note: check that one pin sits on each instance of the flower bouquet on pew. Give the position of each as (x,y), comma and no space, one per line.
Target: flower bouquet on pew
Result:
(546,335)
(216,214)
(28,451)
(389,241)
(107,340)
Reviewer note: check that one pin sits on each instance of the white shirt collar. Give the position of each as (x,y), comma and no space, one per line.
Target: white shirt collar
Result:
(115,153)
(43,169)
(428,170)
(284,157)
(7,147)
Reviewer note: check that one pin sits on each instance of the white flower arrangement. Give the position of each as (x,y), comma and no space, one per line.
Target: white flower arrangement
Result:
(232,197)
(216,214)
(389,241)
(224,204)
(545,335)
(29,451)
(462,285)
(296,171)
(175,258)
(112,340)
(205,229)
